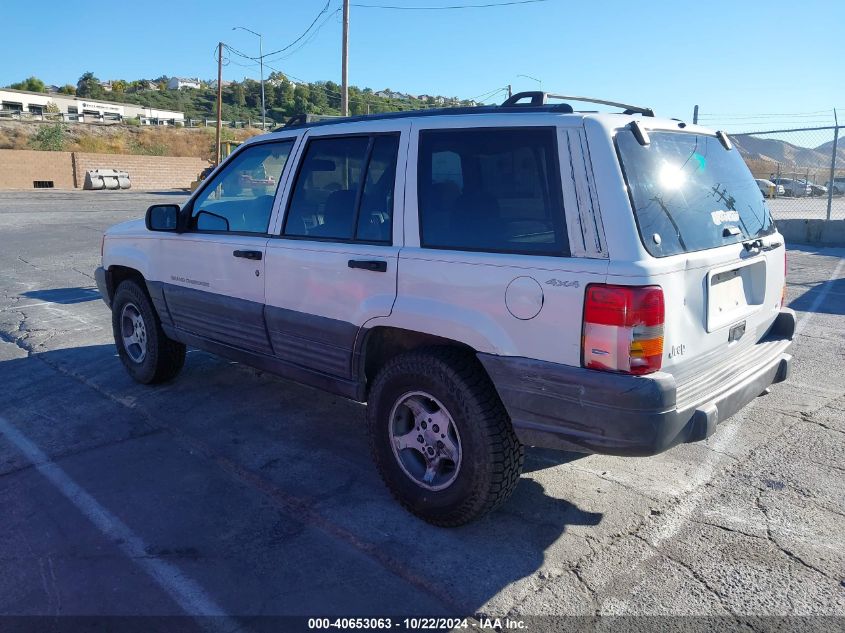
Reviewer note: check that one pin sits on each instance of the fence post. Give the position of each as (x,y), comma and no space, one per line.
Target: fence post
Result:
(832,172)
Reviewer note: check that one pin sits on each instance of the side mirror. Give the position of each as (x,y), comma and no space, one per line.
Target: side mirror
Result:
(162,217)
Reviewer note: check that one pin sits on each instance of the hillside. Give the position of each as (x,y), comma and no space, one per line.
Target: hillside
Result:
(283,97)
(115,139)
(774,150)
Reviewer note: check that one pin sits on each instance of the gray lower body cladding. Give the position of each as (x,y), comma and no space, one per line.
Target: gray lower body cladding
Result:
(572,408)
(101,276)
(313,350)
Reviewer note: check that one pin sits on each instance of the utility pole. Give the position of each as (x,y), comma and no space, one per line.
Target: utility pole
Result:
(344,98)
(261,64)
(510,92)
(695,115)
(219,101)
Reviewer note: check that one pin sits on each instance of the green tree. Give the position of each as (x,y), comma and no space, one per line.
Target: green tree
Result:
(67,89)
(89,86)
(300,99)
(269,96)
(333,94)
(284,95)
(238,95)
(50,138)
(32,84)
(252,93)
(317,97)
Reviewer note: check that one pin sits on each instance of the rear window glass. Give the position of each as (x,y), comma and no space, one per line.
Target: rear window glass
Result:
(495,190)
(690,194)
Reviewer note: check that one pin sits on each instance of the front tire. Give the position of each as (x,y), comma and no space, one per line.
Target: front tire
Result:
(441,438)
(144,349)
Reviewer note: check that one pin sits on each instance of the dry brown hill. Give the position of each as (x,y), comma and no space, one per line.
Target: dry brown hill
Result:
(120,139)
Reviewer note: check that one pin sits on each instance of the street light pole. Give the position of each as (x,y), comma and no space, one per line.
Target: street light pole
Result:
(261,64)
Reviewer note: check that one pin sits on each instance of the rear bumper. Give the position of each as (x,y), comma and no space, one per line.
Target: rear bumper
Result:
(572,408)
(101,275)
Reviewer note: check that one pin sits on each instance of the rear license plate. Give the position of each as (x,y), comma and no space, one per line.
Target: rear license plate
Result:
(734,293)
(736,332)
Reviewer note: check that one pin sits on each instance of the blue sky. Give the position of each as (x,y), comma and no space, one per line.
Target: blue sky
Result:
(735,58)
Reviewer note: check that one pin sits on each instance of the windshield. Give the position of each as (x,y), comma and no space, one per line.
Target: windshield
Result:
(689,193)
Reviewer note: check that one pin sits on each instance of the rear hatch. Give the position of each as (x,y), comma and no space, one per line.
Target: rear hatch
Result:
(717,254)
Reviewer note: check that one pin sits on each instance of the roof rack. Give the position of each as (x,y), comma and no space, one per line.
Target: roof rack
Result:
(541,98)
(299,121)
(538,103)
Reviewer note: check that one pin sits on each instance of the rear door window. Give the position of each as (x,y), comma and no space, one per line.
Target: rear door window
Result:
(690,194)
(495,190)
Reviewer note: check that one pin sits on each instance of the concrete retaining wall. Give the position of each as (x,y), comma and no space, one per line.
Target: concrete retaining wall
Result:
(19,169)
(145,172)
(820,232)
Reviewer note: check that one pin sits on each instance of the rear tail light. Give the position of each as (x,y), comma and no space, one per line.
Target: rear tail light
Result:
(623,328)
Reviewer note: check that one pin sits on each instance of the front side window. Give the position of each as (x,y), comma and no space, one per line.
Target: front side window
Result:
(344,190)
(495,190)
(240,198)
(689,193)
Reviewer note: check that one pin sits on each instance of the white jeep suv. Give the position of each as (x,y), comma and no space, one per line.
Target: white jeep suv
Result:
(483,278)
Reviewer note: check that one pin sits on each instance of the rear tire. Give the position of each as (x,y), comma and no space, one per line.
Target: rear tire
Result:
(144,349)
(439,401)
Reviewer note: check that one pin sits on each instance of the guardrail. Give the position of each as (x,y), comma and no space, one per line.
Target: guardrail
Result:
(111,119)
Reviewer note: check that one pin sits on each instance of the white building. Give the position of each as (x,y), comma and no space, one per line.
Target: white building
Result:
(71,108)
(175,83)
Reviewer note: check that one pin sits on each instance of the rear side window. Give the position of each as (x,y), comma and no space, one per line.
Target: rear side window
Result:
(689,193)
(344,190)
(495,190)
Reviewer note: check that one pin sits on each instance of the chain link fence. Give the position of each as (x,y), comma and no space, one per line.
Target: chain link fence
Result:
(801,171)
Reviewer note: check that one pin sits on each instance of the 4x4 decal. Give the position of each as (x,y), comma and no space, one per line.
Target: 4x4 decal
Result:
(565,283)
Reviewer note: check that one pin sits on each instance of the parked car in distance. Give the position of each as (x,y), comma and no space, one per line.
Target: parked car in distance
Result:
(816,190)
(837,184)
(794,188)
(768,188)
(479,278)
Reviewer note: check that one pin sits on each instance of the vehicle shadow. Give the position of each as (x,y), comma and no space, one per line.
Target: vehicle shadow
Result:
(305,453)
(827,297)
(64,296)
(542,458)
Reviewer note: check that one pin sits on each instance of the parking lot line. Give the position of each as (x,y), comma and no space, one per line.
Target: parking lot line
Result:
(814,307)
(182,589)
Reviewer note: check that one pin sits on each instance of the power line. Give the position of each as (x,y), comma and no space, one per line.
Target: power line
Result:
(310,38)
(304,33)
(447,7)
(488,95)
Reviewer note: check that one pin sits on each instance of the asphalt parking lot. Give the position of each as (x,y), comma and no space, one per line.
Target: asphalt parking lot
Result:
(233,493)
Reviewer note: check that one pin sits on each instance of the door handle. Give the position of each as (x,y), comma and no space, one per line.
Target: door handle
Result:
(369,264)
(247,254)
